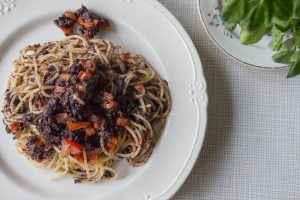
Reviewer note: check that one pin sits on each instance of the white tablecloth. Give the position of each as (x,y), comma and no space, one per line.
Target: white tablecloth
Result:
(252,145)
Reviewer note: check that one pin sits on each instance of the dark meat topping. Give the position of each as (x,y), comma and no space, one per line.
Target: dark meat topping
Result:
(85,14)
(88,32)
(72,104)
(64,22)
(36,149)
(89,23)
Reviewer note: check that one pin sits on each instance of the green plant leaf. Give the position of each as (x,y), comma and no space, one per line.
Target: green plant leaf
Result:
(277,38)
(295,58)
(288,45)
(258,17)
(283,57)
(294,70)
(233,11)
(256,25)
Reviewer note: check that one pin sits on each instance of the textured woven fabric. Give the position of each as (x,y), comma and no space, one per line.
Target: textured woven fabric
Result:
(252,146)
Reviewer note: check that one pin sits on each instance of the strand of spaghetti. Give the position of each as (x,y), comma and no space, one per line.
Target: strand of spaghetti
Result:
(101,55)
(31,106)
(27,83)
(146,122)
(46,58)
(135,137)
(85,164)
(21,103)
(142,128)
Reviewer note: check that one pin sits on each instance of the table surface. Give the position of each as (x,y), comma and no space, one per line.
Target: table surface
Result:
(252,144)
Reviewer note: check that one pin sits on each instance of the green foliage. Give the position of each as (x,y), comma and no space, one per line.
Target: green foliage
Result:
(259,17)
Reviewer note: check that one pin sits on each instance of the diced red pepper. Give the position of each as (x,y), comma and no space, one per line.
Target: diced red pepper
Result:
(14,126)
(79,157)
(68,31)
(83,76)
(71,15)
(124,56)
(140,140)
(38,142)
(74,147)
(95,124)
(109,104)
(138,86)
(65,150)
(92,157)
(73,126)
(90,131)
(85,24)
(112,144)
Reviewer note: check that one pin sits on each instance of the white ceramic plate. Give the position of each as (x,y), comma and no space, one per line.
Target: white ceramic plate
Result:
(140,26)
(257,55)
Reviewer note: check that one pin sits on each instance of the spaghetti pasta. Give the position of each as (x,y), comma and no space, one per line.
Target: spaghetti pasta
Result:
(130,129)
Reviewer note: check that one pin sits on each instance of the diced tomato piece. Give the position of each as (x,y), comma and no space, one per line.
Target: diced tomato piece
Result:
(140,140)
(85,24)
(95,124)
(71,15)
(109,104)
(121,121)
(90,131)
(14,126)
(83,76)
(65,150)
(73,126)
(114,141)
(110,147)
(92,157)
(68,31)
(38,142)
(124,56)
(79,157)
(112,144)
(138,86)
(75,148)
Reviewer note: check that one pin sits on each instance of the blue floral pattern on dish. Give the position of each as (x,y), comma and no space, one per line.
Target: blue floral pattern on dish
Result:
(215,18)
